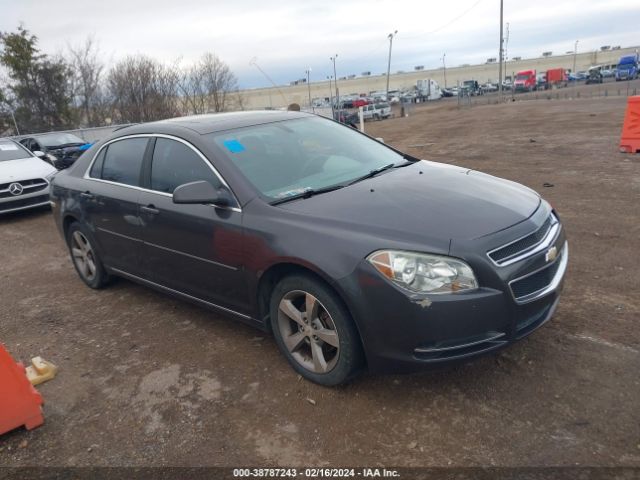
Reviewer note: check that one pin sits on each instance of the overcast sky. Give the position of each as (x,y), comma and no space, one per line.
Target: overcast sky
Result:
(289,36)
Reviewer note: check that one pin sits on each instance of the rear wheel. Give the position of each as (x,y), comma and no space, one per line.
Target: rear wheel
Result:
(314,331)
(84,256)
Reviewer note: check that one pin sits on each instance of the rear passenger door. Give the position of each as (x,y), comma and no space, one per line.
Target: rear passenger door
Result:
(111,202)
(193,249)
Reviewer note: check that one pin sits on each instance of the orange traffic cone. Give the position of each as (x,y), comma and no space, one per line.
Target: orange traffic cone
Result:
(630,140)
(20,403)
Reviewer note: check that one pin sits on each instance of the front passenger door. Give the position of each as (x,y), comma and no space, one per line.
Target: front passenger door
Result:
(193,249)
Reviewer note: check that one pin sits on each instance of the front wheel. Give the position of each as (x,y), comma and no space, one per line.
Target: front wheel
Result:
(84,256)
(314,331)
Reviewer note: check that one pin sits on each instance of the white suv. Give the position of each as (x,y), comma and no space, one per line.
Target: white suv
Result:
(377,111)
(24,178)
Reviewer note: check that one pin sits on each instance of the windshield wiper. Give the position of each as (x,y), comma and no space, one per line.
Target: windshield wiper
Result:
(372,173)
(308,192)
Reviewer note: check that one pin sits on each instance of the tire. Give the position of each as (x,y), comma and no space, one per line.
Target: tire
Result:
(84,256)
(325,349)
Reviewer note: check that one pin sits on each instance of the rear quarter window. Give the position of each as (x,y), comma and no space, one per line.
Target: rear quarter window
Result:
(123,161)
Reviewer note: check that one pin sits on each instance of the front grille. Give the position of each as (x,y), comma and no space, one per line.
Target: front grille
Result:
(28,186)
(501,255)
(536,282)
(23,202)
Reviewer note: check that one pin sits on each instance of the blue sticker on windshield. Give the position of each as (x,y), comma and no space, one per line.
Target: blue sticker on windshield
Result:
(234,146)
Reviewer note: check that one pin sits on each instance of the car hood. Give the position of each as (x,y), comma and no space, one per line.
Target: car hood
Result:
(425,199)
(24,169)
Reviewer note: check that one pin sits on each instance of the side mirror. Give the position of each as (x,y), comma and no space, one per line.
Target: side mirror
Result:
(202,192)
(39,153)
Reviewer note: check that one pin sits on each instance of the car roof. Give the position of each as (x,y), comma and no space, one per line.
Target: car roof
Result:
(217,122)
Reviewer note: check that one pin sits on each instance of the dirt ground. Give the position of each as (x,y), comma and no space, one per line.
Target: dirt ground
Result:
(149,380)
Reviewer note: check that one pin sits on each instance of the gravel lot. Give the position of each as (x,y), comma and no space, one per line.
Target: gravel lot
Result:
(149,380)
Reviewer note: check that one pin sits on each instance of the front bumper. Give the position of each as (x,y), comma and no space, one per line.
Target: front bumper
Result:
(25,201)
(404,332)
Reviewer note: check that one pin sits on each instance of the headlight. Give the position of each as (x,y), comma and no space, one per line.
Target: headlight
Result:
(50,176)
(424,273)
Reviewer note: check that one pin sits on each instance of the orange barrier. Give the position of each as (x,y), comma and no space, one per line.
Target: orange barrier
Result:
(630,139)
(20,403)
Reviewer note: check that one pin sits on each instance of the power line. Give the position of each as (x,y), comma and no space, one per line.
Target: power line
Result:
(442,27)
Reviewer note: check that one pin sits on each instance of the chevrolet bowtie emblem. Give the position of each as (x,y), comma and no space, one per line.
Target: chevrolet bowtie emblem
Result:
(551,254)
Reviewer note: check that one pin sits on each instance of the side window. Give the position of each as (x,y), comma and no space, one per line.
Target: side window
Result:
(175,164)
(96,168)
(123,160)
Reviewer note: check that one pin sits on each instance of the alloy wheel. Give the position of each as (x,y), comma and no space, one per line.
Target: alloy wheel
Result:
(308,331)
(83,255)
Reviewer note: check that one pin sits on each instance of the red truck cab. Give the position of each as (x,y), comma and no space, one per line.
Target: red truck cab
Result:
(525,81)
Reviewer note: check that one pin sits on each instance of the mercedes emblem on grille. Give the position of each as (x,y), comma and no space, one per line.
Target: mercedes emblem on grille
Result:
(15,189)
(551,254)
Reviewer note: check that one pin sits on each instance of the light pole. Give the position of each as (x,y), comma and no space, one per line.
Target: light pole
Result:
(308,72)
(333,115)
(444,67)
(575,53)
(335,79)
(500,53)
(390,37)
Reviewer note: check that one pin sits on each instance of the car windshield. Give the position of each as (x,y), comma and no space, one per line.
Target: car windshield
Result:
(57,139)
(522,76)
(12,151)
(284,159)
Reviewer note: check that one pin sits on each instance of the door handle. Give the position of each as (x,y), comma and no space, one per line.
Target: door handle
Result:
(151,209)
(88,195)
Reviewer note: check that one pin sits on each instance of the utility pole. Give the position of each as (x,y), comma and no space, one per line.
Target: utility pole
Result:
(390,37)
(444,66)
(15,124)
(575,54)
(335,79)
(308,72)
(333,113)
(500,51)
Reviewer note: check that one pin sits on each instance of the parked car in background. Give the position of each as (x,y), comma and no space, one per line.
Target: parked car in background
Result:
(525,81)
(65,147)
(360,102)
(24,178)
(377,111)
(506,84)
(595,75)
(353,254)
(448,92)
(489,87)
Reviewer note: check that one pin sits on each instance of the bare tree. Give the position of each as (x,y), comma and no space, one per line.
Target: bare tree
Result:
(142,89)
(219,81)
(207,86)
(87,81)
(238,100)
(192,91)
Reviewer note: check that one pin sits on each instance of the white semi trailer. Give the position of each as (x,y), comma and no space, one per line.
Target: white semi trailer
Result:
(428,89)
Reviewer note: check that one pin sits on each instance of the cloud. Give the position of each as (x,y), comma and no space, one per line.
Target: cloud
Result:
(289,36)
